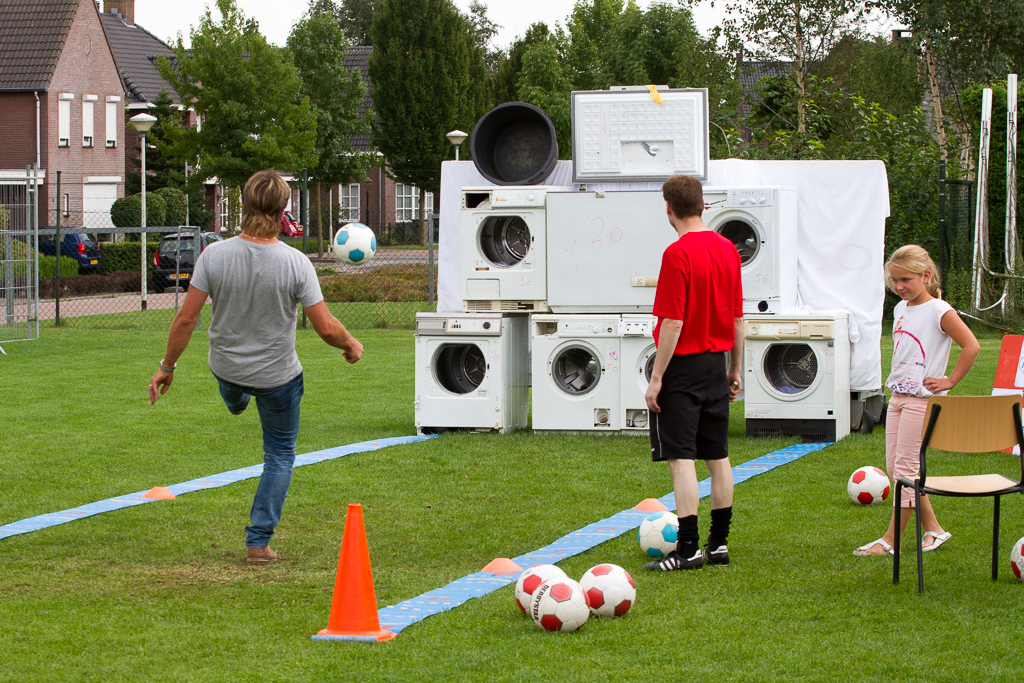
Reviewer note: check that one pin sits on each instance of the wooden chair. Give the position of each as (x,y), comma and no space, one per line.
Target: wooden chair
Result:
(964,424)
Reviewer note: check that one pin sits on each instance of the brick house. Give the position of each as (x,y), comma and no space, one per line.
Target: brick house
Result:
(63,104)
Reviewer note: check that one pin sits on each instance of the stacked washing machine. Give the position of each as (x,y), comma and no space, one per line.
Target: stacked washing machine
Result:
(558,284)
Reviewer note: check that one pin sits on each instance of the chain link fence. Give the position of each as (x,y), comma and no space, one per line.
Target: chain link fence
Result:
(100,285)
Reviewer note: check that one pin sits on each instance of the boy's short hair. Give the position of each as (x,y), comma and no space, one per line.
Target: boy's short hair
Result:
(685,196)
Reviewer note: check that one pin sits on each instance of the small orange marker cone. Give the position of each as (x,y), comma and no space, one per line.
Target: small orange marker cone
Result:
(159,493)
(501,565)
(650,505)
(354,605)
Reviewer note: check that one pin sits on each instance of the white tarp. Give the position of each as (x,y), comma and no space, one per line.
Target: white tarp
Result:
(841,231)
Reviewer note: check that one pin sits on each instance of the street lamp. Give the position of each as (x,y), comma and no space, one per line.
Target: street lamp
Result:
(142,123)
(457,137)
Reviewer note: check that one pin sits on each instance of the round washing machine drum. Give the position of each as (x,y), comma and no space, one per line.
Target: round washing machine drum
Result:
(741,232)
(576,370)
(504,240)
(790,368)
(459,368)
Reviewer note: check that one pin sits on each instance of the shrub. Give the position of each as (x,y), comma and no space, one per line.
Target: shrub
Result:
(126,212)
(48,266)
(176,205)
(84,285)
(124,256)
(388,283)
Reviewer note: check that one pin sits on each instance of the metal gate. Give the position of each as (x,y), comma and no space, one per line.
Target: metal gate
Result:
(19,258)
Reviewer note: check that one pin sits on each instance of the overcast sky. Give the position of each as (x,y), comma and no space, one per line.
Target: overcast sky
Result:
(275,17)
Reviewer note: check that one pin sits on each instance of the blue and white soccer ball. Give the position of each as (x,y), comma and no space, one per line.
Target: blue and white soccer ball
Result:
(354,244)
(658,534)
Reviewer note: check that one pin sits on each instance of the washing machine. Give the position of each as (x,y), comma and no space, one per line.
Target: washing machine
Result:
(576,367)
(504,249)
(761,222)
(797,376)
(604,250)
(637,351)
(472,372)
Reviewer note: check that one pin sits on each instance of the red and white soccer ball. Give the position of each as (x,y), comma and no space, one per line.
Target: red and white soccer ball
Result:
(609,589)
(868,486)
(531,579)
(559,605)
(1017,559)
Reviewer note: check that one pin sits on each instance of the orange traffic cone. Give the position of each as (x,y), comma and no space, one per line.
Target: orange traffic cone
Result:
(354,605)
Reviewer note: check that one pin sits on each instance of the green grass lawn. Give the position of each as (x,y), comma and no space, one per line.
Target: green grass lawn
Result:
(161,591)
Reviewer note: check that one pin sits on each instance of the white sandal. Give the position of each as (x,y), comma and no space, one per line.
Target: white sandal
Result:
(863,550)
(939,539)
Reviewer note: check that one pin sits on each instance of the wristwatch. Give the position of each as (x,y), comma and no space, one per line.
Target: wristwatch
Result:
(165,368)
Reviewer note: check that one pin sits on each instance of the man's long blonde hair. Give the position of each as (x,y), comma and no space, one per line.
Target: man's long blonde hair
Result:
(264,198)
(916,260)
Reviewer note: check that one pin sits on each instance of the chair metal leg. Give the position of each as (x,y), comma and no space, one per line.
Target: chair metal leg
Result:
(995,541)
(896,541)
(920,550)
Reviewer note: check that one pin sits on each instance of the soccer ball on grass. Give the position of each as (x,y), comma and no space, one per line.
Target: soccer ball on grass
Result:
(354,244)
(868,486)
(1017,559)
(609,589)
(658,534)
(559,605)
(531,579)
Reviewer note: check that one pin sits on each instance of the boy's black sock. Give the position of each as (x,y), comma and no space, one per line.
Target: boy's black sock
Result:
(720,522)
(688,538)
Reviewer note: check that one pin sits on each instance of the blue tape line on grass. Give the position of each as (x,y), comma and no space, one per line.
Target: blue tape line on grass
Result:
(223,479)
(397,617)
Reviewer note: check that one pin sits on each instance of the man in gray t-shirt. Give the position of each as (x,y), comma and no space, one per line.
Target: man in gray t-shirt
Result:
(256,284)
(255,289)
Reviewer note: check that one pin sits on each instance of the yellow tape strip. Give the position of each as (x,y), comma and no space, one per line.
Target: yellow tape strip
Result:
(655,95)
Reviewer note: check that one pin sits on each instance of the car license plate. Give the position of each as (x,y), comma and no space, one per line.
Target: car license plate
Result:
(176,276)
(93,262)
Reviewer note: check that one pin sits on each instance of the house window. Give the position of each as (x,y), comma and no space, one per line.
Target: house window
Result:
(64,119)
(88,119)
(222,206)
(348,199)
(65,209)
(113,102)
(407,202)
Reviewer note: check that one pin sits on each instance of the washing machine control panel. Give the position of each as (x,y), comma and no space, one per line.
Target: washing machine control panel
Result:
(790,329)
(749,197)
(478,326)
(588,328)
(643,327)
(517,198)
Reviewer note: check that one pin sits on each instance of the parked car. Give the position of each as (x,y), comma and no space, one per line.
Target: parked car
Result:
(289,226)
(167,272)
(82,248)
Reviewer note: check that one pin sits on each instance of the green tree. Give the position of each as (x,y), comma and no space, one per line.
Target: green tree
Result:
(162,168)
(802,32)
(545,83)
(318,46)
(247,94)
(504,83)
(356,20)
(421,70)
(879,70)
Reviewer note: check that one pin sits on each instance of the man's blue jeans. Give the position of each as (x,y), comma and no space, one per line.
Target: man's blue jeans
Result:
(279,415)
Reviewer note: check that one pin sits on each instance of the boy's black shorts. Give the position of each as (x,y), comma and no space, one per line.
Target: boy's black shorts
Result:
(694,420)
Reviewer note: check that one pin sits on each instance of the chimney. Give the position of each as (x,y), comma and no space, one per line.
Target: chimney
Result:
(124,8)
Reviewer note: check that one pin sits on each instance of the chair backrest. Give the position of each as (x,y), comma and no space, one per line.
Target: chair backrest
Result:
(973,424)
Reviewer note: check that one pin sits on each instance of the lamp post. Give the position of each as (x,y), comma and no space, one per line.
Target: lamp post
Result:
(457,137)
(142,123)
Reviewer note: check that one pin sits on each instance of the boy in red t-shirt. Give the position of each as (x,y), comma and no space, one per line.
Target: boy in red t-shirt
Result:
(699,305)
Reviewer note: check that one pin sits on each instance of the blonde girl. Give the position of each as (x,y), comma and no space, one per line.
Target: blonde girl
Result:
(924,327)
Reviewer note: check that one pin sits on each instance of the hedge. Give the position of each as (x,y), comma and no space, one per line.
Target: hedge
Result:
(388,283)
(124,256)
(176,205)
(48,266)
(126,212)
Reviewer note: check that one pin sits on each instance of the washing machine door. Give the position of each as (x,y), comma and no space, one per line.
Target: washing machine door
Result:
(645,366)
(791,371)
(744,230)
(504,240)
(459,368)
(575,369)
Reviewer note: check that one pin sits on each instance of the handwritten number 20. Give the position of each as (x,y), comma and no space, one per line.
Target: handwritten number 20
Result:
(614,236)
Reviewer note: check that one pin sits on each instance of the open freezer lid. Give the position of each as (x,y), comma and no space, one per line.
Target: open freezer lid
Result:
(638,134)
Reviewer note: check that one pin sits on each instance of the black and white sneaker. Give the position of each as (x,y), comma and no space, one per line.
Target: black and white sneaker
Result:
(674,561)
(719,555)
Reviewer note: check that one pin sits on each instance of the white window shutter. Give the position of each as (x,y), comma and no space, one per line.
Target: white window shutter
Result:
(88,122)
